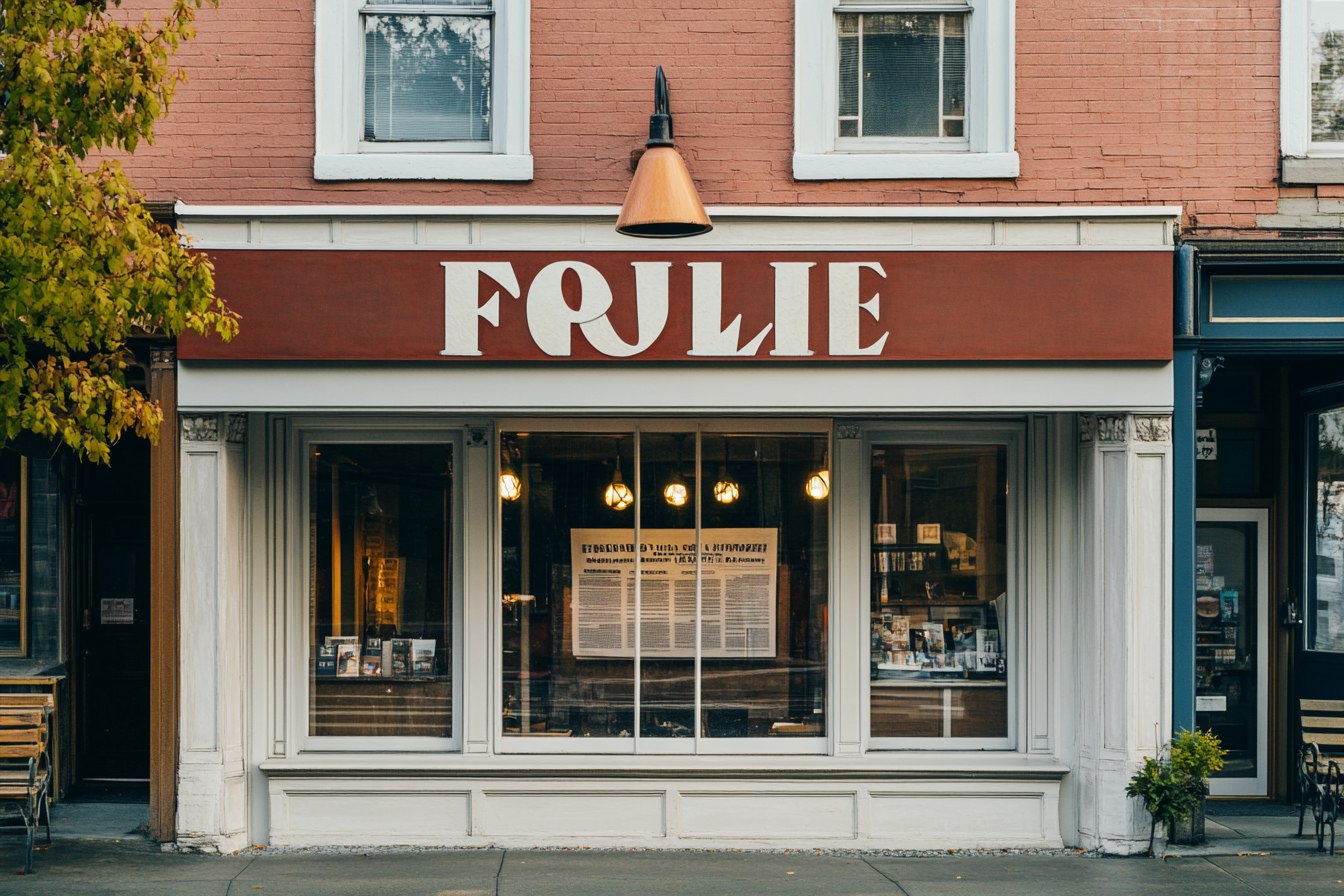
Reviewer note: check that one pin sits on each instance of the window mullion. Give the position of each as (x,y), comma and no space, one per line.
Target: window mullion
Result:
(942,43)
(639,500)
(699,495)
(858,75)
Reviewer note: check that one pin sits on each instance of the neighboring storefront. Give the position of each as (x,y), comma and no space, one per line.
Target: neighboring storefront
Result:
(1259,393)
(832,527)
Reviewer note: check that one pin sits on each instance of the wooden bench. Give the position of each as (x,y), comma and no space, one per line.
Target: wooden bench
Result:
(1318,766)
(25,762)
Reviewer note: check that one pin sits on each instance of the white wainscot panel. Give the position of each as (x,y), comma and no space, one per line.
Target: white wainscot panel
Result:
(408,815)
(958,819)
(767,816)
(559,813)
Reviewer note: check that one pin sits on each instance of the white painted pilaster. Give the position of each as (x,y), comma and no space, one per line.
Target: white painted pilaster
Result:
(849,601)
(212,795)
(1124,613)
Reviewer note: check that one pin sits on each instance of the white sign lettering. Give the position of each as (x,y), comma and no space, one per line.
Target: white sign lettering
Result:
(460,308)
(845,308)
(707,339)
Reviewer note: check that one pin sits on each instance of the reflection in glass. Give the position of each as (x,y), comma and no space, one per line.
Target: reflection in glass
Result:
(756,581)
(1225,641)
(1325,610)
(427,77)
(1327,71)
(11,553)
(567,670)
(939,595)
(775,687)
(902,74)
(380,578)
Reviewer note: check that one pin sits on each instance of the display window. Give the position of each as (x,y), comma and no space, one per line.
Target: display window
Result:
(664,589)
(940,594)
(381,580)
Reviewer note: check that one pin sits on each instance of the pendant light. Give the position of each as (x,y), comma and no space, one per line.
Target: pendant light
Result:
(662,202)
(726,490)
(818,485)
(510,485)
(675,492)
(618,495)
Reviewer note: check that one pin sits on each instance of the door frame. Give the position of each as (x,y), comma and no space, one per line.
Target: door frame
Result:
(1262,517)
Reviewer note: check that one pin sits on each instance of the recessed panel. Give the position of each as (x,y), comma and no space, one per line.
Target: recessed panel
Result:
(767,816)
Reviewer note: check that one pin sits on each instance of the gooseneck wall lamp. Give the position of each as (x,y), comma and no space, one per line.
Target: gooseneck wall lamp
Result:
(662,202)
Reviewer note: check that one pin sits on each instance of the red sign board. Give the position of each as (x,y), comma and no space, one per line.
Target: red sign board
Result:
(334,305)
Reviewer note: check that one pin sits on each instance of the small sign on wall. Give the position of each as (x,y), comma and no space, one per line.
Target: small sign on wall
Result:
(1206,444)
(1211,704)
(117,611)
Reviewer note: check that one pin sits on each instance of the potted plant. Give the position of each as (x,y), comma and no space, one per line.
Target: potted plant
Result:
(1174,789)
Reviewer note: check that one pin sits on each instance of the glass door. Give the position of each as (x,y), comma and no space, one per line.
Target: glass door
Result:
(1232,643)
(1318,672)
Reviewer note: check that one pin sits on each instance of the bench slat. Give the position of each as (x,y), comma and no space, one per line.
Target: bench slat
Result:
(1322,722)
(1322,738)
(1322,705)
(21,751)
(25,700)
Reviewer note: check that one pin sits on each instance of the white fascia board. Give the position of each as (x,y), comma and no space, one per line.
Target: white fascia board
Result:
(691,388)
(423,166)
(904,166)
(978,212)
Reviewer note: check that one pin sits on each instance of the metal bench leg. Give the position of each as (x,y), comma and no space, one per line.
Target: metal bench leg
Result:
(30,829)
(46,816)
(1301,812)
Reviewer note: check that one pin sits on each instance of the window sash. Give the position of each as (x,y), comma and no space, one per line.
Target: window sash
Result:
(850,24)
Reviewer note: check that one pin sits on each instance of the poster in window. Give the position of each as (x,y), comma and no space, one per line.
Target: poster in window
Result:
(738,590)
(117,611)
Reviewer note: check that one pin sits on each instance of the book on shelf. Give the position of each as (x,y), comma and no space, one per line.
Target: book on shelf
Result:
(371,664)
(347,660)
(335,640)
(326,660)
(1227,602)
(400,663)
(422,656)
(986,650)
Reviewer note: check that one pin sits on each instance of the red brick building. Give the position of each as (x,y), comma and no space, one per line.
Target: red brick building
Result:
(859,520)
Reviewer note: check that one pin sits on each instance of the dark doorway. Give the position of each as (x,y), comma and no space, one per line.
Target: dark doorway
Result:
(112,619)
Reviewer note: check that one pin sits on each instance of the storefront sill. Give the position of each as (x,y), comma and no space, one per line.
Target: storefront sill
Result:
(887,767)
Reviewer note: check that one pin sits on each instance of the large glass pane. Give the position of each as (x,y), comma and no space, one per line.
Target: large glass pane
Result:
(427,77)
(939,596)
(569,604)
(667,504)
(1325,610)
(763,586)
(380,578)
(1227,698)
(900,77)
(1327,71)
(11,553)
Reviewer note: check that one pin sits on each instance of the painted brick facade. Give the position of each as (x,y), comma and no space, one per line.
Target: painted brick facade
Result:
(1136,102)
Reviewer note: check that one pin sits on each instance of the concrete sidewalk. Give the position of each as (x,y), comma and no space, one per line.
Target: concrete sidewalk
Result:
(87,867)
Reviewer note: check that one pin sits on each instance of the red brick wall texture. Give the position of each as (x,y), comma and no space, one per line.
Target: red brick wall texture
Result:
(1118,102)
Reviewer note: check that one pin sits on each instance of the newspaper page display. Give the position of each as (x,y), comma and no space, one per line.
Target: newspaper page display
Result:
(738,569)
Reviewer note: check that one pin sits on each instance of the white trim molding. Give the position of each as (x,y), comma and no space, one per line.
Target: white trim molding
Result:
(989,152)
(339,92)
(1304,162)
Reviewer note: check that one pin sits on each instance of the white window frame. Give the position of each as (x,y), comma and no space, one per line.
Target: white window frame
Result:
(819,154)
(305,432)
(652,746)
(341,153)
(1012,436)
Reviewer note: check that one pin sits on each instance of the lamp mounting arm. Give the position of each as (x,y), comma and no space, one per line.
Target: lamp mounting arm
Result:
(660,122)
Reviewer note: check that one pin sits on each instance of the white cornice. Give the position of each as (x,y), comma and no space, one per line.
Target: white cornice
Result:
(979,212)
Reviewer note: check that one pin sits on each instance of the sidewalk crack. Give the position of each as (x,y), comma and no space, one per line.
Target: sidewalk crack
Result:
(500,870)
(894,882)
(1239,880)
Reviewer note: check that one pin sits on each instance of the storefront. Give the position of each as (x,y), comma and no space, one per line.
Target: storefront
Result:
(830,528)
(1260,619)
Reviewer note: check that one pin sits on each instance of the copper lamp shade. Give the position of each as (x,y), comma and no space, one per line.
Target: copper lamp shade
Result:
(662,202)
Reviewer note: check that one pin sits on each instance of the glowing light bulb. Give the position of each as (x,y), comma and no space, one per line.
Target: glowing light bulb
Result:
(726,490)
(510,486)
(818,485)
(618,495)
(676,493)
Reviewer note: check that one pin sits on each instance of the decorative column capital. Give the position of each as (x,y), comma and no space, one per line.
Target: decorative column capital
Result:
(235,427)
(200,428)
(161,358)
(846,430)
(1152,427)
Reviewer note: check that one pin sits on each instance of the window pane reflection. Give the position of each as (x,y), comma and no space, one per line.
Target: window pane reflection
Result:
(938,634)
(380,574)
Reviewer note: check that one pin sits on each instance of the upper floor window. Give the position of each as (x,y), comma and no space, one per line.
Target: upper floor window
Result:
(892,90)
(902,75)
(426,77)
(422,89)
